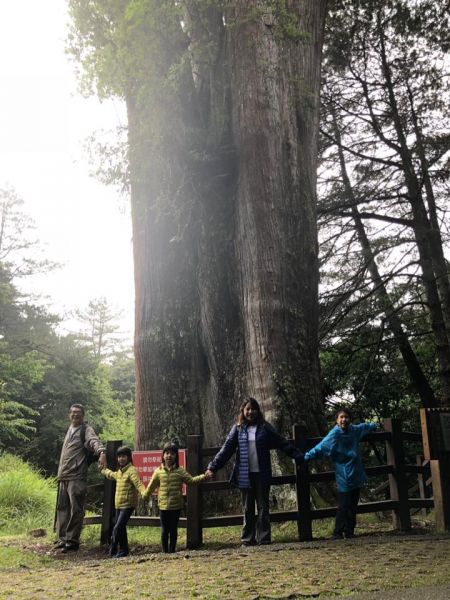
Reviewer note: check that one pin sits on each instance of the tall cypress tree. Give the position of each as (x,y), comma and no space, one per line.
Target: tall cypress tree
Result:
(222,100)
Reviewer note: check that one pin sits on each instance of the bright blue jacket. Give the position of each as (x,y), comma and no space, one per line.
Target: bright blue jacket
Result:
(343,449)
(266,438)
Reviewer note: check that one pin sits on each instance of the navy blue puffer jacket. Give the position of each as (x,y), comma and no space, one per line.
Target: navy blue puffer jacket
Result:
(266,439)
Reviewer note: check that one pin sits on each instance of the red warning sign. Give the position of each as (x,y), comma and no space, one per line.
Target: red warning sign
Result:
(147,461)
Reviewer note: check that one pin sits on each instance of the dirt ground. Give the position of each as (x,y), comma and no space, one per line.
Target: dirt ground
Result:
(278,572)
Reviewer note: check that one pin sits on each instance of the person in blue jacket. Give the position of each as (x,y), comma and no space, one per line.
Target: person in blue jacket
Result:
(342,446)
(252,438)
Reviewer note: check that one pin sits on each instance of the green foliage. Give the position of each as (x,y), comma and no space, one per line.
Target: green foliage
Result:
(21,367)
(285,21)
(27,500)
(136,50)
(76,377)
(39,386)
(42,373)
(19,250)
(16,421)
(119,423)
(122,376)
(119,45)
(366,371)
(100,327)
(117,415)
(387,117)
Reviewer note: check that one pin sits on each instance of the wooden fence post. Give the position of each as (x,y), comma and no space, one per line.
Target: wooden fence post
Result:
(109,490)
(304,521)
(424,490)
(397,480)
(440,475)
(194,532)
(436,445)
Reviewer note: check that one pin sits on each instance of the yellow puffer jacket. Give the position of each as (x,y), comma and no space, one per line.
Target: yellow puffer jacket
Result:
(128,486)
(170,482)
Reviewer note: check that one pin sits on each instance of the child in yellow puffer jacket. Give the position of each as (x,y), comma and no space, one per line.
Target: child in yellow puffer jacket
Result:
(169,477)
(128,485)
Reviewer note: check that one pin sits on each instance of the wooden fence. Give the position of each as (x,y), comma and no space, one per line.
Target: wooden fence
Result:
(396,469)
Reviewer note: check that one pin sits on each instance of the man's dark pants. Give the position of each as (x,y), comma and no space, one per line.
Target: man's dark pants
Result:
(70,510)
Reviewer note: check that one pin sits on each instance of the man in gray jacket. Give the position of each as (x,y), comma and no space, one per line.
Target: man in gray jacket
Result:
(72,478)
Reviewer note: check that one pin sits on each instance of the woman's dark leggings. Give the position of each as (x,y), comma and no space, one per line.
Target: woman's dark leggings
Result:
(256,530)
(119,538)
(169,531)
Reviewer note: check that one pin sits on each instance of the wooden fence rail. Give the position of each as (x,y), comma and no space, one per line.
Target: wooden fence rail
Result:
(396,471)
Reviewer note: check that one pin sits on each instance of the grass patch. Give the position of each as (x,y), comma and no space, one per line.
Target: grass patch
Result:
(215,538)
(27,499)
(148,537)
(13,557)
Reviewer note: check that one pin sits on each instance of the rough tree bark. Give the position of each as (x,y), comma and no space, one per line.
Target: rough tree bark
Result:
(275,122)
(222,102)
(244,277)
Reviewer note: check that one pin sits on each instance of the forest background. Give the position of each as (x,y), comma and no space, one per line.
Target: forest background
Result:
(384,301)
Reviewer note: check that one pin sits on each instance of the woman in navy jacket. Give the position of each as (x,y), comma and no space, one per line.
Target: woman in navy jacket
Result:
(252,438)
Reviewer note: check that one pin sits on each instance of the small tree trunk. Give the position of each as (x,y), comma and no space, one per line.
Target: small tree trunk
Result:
(440,264)
(421,227)
(415,371)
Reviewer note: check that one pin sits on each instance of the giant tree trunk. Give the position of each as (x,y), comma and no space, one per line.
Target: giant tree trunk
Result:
(227,274)
(275,88)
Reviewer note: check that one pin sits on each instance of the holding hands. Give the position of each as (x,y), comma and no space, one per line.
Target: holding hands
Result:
(102,464)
